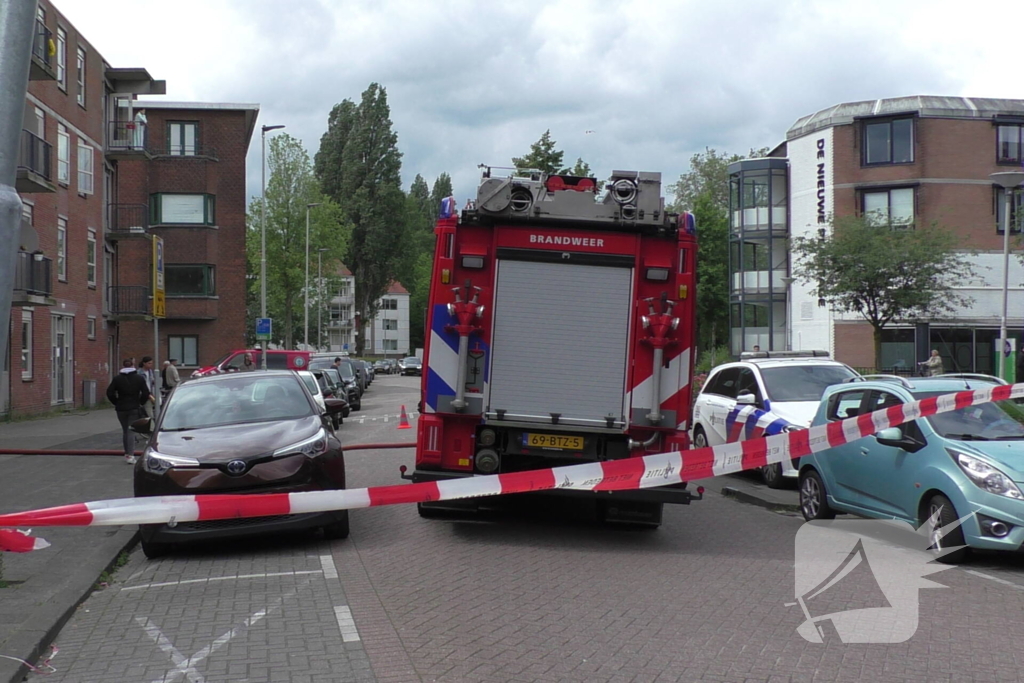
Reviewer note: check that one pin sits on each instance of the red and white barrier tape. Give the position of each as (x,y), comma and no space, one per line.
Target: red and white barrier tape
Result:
(610,475)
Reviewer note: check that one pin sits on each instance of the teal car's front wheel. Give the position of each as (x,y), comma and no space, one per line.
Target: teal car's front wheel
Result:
(813,499)
(942,514)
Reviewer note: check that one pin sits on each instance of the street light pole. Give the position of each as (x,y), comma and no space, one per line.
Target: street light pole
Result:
(305,317)
(319,297)
(263,231)
(1008,180)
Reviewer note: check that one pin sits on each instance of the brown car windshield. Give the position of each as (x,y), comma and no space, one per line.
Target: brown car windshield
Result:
(239,399)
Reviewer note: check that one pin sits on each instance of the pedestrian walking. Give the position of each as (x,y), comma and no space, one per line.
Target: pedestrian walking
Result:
(128,392)
(933,366)
(147,373)
(169,376)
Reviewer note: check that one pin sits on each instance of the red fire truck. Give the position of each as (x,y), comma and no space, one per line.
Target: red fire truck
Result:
(560,331)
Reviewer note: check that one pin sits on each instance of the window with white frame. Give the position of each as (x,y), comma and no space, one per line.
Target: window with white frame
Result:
(182,209)
(27,212)
(26,344)
(389,325)
(85,174)
(90,258)
(390,344)
(81,76)
(62,249)
(63,155)
(181,138)
(389,304)
(185,349)
(90,327)
(62,58)
(1016,210)
(894,207)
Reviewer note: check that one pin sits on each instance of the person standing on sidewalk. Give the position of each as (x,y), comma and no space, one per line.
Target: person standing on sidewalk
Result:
(128,392)
(169,376)
(147,372)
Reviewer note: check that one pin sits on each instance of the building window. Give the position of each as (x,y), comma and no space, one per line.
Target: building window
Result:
(81,75)
(27,213)
(889,142)
(62,58)
(181,138)
(26,344)
(1009,144)
(62,249)
(63,155)
(90,327)
(390,344)
(190,280)
(389,304)
(1016,214)
(90,259)
(85,185)
(182,209)
(890,207)
(344,288)
(389,325)
(184,349)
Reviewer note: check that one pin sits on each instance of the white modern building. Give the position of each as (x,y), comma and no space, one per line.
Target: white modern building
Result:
(386,335)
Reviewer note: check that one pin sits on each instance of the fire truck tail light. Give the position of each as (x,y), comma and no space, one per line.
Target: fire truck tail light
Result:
(657,274)
(446,276)
(472,261)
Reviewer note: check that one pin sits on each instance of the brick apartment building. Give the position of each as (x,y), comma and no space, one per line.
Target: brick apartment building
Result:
(92,180)
(909,161)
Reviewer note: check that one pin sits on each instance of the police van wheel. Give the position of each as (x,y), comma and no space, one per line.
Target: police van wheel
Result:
(772,475)
(700,439)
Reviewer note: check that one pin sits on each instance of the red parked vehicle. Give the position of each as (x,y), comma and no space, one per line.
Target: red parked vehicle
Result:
(277,359)
(560,331)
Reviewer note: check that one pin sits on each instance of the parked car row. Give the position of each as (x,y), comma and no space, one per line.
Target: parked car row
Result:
(960,473)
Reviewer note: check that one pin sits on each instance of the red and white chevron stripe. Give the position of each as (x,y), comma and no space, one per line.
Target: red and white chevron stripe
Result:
(612,475)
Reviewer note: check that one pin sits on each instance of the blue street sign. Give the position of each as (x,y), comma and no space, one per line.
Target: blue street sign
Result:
(344,347)
(263,326)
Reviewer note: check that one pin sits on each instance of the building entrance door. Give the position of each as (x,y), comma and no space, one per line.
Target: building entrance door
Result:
(62,344)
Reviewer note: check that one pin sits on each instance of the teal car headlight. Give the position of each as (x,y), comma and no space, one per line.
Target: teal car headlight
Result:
(158,463)
(311,447)
(986,476)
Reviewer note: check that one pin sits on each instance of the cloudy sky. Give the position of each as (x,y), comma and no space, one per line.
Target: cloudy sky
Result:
(639,85)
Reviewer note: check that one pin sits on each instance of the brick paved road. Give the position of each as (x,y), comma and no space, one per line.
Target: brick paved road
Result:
(537,592)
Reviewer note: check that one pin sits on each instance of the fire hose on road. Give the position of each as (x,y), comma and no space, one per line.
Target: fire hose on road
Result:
(611,475)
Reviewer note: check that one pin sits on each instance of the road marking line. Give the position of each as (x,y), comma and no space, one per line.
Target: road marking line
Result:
(223,578)
(329,570)
(347,624)
(1011,584)
(185,666)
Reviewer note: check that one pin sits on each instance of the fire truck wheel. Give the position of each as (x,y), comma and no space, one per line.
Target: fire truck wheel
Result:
(337,530)
(772,475)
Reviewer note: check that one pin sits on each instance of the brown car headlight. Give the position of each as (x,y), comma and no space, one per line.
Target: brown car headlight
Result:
(311,447)
(158,463)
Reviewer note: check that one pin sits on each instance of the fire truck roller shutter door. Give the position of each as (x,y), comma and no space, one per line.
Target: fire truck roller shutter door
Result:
(560,340)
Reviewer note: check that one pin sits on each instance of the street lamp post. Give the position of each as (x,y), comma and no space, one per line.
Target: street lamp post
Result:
(263,231)
(305,317)
(1008,180)
(319,296)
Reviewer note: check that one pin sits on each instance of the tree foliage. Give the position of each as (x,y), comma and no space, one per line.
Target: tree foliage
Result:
(542,156)
(712,271)
(442,188)
(882,274)
(359,166)
(708,174)
(290,188)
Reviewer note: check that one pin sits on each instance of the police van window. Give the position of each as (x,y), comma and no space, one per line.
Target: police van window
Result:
(724,383)
(845,404)
(747,383)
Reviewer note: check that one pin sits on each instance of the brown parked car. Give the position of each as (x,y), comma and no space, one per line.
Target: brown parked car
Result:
(254,432)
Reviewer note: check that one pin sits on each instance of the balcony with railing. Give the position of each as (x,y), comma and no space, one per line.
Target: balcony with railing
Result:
(185,151)
(128,302)
(33,285)
(128,140)
(43,50)
(34,168)
(126,221)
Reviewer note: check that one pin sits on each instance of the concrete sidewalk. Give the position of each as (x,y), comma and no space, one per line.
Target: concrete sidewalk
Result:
(45,587)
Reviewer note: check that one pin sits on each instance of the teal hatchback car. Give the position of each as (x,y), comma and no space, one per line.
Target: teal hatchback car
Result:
(942,467)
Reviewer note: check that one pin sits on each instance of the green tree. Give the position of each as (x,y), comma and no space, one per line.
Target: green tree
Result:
(543,156)
(290,188)
(884,274)
(712,271)
(442,188)
(359,166)
(709,173)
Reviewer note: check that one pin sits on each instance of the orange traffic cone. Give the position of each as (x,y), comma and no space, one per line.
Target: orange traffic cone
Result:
(403,420)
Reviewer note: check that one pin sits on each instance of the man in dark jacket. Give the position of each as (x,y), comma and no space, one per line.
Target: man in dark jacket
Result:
(128,392)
